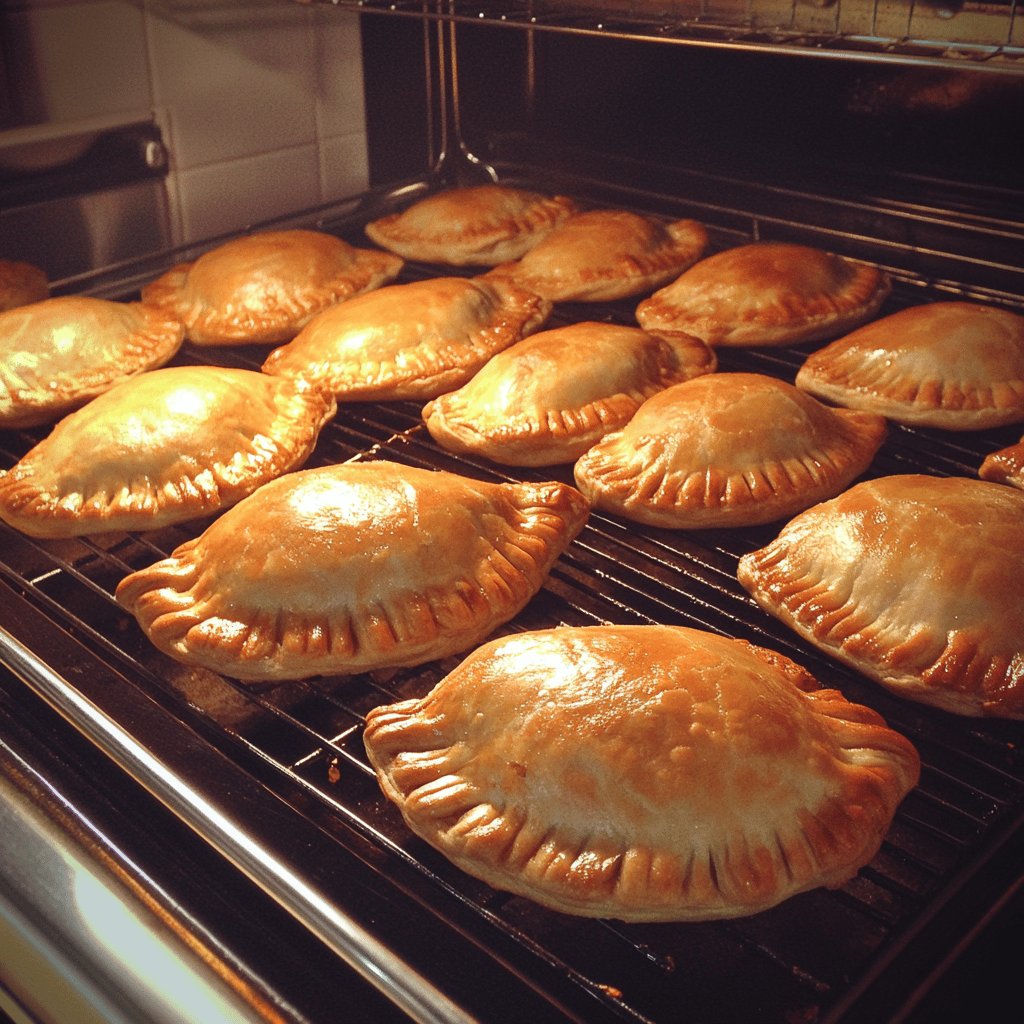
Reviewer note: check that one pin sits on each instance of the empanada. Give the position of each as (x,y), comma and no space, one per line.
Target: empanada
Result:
(767,293)
(915,581)
(21,283)
(645,773)
(954,365)
(57,354)
(1005,466)
(478,225)
(353,567)
(415,340)
(602,255)
(263,288)
(727,449)
(161,448)
(548,398)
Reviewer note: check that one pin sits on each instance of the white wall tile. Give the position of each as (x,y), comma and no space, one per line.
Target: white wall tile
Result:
(339,87)
(344,166)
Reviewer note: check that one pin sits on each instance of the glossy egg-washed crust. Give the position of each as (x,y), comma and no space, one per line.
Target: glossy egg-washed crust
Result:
(263,288)
(480,225)
(767,293)
(57,354)
(602,255)
(548,398)
(727,449)
(410,341)
(353,567)
(915,581)
(1005,466)
(645,773)
(161,448)
(952,365)
(21,283)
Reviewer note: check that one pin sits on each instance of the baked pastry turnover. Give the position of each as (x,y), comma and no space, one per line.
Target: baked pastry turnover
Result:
(915,581)
(1005,466)
(263,288)
(767,293)
(954,365)
(353,567)
(548,398)
(601,255)
(727,449)
(168,446)
(480,225)
(21,283)
(415,340)
(645,773)
(57,354)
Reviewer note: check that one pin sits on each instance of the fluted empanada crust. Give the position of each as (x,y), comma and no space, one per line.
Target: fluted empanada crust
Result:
(915,581)
(480,225)
(727,449)
(57,354)
(548,398)
(168,446)
(263,288)
(646,773)
(767,293)
(601,255)
(415,340)
(1005,466)
(21,283)
(353,567)
(954,365)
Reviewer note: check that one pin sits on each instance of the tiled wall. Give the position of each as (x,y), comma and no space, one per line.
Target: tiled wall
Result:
(260,101)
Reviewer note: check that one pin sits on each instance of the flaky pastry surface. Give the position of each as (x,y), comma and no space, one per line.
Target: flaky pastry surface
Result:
(727,449)
(415,340)
(767,293)
(59,353)
(646,773)
(353,567)
(953,365)
(479,225)
(163,447)
(915,581)
(548,398)
(602,255)
(263,288)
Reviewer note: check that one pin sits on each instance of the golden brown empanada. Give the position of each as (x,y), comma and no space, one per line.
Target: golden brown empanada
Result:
(263,288)
(353,567)
(767,293)
(954,365)
(601,255)
(21,283)
(645,773)
(1005,466)
(161,448)
(415,340)
(548,398)
(727,449)
(479,225)
(57,354)
(915,581)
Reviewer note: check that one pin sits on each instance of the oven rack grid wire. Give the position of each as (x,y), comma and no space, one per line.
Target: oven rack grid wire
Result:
(811,957)
(987,36)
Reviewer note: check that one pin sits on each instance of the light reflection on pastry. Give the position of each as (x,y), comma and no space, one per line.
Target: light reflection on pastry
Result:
(644,773)
(727,449)
(21,283)
(548,398)
(767,293)
(348,568)
(953,365)
(602,255)
(57,354)
(415,340)
(478,225)
(263,288)
(161,448)
(1005,466)
(915,581)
